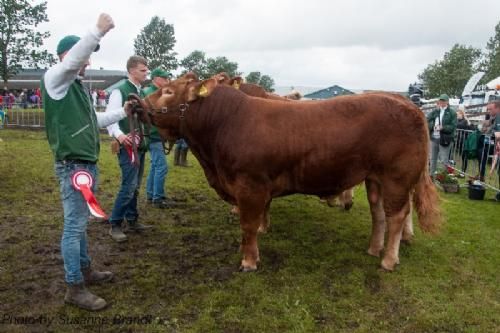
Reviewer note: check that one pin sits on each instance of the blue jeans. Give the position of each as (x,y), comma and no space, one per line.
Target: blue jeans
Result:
(155,188)
(126,202)
(76,213)
(181,144)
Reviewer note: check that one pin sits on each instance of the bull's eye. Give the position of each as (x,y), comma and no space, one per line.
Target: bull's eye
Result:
(167,91)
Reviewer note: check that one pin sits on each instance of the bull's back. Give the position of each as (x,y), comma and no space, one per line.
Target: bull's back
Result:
(322,146)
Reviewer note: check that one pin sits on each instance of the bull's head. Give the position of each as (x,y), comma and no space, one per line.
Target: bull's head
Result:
(170,104)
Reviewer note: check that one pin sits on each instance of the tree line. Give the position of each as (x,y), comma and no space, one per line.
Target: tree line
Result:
(450,74)
(21,43)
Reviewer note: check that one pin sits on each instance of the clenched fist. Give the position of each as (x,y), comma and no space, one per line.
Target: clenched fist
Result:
(105,23)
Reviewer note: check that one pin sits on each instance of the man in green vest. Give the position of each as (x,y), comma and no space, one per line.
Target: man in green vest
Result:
(72,127)
(155,188)
(125,207)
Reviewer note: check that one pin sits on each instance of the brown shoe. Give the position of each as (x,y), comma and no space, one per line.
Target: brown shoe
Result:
(117,234)
(137,226)
(79,296)
(91,276)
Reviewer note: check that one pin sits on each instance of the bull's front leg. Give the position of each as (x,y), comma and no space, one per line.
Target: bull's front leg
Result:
(252,216)
(378,218)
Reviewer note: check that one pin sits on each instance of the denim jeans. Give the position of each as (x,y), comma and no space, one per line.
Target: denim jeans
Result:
(76,213)
(155,187)
(181,144)
(125,206)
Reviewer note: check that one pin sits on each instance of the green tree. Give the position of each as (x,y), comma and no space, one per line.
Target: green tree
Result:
(253,77)
(450,75)
(195,62)
(265,81)
(491,65)
(20,42)
(221,64)
(156,43)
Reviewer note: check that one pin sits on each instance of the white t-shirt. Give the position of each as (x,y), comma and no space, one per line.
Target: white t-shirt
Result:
(437,123)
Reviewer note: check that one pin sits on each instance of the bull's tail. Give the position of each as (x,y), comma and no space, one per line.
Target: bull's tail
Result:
(426,203)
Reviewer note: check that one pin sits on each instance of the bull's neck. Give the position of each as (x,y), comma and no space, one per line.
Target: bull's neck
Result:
(207,117)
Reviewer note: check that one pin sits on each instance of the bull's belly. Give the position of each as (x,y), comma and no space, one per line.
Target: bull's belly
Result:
(316,184)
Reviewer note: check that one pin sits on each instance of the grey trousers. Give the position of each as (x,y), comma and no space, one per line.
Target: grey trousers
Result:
(439,154)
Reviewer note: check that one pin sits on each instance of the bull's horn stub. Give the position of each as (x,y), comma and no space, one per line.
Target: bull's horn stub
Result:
(203,91)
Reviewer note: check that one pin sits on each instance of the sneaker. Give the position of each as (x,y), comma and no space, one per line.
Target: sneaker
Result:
(117,234)
(497,197)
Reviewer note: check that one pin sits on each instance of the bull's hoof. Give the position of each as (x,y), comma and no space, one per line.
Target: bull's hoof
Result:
(244,269)
(348,205)
(262,229)
(389,264)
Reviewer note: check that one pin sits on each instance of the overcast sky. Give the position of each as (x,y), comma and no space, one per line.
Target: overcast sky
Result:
(357,44)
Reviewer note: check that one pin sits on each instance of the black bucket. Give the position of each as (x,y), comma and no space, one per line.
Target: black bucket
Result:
(476,192)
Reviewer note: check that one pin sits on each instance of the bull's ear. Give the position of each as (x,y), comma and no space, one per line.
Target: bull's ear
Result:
(190,76)
(201,89)
(222,78)
(236,81)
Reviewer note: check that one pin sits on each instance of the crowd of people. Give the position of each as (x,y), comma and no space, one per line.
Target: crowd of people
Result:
(477,142)
(20,98)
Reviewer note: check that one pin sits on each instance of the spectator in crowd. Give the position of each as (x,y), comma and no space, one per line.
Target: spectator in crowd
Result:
(2,113)
(24,99)
(493,108)
(464,125)
(73,135)
(125,207)
(94,98)
(442,123)
(101,98)
(155,189)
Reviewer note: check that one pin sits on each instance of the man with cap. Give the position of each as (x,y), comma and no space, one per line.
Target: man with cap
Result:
(155,187)
(72,127)
(132,167)
(442,123)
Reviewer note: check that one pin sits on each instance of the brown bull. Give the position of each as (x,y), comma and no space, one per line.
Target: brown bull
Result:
(251,157)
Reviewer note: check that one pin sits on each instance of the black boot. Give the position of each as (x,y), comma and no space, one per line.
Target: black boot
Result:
(91,276)
(177,155)
(79,296)
(183,159)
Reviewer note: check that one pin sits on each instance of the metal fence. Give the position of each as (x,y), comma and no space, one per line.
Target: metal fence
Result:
(474,164)
(31,117)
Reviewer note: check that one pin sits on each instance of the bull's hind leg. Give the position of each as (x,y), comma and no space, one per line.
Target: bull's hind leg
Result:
(408,227)
(267,220)
(378,218)
(397,208)
(252,216)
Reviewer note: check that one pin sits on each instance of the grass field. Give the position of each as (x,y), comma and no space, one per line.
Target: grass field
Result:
(315,275)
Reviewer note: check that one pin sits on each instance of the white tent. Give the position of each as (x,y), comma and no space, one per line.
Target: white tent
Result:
(494,84)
